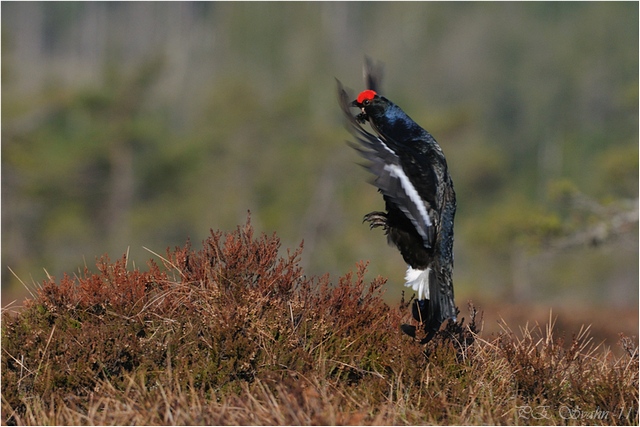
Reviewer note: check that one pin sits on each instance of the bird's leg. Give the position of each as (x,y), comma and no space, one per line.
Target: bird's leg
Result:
(376,219)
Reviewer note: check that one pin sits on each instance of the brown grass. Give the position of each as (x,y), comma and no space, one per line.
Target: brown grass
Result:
(235,334)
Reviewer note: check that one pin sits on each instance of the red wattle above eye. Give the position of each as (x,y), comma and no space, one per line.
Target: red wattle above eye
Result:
(366,95)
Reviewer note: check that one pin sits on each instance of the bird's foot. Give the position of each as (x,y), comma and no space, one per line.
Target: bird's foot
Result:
(376,219)
(362,118)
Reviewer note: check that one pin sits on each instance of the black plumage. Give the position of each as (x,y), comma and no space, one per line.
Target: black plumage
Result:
(411,173)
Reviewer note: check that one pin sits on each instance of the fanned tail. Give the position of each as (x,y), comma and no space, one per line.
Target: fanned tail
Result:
(434,303)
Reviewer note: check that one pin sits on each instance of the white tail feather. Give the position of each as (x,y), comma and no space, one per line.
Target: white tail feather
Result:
(418,280)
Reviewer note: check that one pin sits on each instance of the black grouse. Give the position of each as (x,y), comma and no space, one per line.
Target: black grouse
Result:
(411,173)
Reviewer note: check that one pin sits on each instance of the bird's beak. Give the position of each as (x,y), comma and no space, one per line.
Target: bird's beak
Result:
(355,103)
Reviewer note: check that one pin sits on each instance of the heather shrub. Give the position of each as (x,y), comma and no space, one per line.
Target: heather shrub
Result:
(235,333)
(213,319)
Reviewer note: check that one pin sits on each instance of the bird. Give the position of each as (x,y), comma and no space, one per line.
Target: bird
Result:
(410,170)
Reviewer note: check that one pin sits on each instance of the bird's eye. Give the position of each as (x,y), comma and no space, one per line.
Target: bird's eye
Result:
(366,102)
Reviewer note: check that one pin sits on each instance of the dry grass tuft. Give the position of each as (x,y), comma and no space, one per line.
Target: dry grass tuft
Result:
(234,334)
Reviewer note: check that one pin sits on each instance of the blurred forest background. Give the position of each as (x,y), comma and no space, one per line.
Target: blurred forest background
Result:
(131,125)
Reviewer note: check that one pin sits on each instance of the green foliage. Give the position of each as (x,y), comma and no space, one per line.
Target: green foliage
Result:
(233,333)
(514,222)
(619,171)
(169,119)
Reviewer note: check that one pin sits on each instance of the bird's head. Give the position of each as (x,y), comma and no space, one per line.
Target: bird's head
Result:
(370,103)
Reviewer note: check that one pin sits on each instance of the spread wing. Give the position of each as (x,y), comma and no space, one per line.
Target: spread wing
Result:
(373,74)
(390,175)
